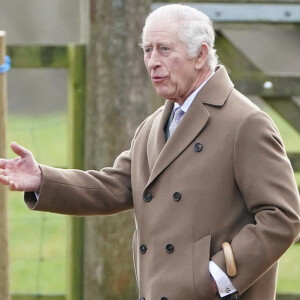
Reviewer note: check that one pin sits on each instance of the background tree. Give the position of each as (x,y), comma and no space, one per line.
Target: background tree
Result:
(119,98)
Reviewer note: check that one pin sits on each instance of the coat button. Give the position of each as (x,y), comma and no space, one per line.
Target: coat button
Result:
(143,249)
(163,298)
(170,248)
(198,147)
(176,196)
(147,197)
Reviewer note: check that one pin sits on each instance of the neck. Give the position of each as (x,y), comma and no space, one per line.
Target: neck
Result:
(205,73)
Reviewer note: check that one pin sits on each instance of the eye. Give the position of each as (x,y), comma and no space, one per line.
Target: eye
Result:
(148,49)
(164,49)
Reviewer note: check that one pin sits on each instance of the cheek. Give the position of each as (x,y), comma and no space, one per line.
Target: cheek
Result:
(177,67)
(186,72)
(146,63)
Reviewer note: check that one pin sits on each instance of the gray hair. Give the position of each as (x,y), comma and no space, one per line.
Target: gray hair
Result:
(195,29)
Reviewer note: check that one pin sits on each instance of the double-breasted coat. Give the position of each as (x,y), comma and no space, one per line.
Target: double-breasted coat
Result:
(222,176)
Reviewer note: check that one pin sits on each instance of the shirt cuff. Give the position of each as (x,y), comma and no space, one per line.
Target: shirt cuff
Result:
(225,287)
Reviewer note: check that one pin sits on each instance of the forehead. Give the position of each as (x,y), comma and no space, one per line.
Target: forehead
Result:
(161,31)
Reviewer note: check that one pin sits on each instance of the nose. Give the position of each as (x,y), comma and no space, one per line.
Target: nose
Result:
(154,60)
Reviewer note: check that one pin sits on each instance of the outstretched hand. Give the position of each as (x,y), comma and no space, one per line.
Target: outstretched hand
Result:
(22,173)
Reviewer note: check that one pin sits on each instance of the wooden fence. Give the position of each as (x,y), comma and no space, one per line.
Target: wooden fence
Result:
(246,77)
(73,58)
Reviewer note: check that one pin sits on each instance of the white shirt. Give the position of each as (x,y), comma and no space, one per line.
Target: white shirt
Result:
(187,103)
(225,287)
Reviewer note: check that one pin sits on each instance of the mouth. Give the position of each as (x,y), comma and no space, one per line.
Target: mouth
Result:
(158,79)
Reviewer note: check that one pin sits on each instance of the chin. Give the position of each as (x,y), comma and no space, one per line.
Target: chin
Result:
(164,94)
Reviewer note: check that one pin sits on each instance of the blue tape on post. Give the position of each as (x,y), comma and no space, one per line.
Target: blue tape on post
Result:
(6,66)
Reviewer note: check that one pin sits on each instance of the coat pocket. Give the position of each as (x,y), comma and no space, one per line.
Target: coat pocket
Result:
(202,279)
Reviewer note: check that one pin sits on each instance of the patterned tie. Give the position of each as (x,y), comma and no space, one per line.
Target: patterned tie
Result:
(177,116)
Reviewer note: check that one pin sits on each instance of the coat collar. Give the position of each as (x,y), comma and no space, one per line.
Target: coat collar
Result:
(161,153)
(217,89)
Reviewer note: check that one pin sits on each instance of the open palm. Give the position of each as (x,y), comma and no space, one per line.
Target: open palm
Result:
(22,173)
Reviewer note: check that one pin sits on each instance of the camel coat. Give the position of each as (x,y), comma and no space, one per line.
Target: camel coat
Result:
(222,176)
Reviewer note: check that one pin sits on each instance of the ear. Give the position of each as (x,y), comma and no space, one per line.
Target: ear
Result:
(202,57)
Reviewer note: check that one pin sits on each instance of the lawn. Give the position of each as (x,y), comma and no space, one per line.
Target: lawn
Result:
(38,241)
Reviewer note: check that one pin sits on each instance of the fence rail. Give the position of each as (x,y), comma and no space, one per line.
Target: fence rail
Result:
(37,297)
(287,297)
(63,297)
(36,56)
(247,12)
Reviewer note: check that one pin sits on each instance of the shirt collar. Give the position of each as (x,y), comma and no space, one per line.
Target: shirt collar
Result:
(187,103)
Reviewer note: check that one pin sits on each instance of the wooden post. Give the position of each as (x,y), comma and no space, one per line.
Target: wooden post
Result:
(76,109)
(4,257)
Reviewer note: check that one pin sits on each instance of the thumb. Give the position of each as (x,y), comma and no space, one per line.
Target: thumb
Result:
(19,150)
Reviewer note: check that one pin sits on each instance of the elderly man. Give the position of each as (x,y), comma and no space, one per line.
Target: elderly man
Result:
(206,168)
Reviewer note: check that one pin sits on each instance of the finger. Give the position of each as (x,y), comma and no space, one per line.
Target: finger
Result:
(4,179)
(19,150)
(2,162)
(12,186)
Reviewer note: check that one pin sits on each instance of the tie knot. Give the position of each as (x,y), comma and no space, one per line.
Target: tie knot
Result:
(178,114)
(176,119)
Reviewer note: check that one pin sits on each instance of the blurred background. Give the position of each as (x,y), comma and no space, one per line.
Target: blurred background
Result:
(38,119)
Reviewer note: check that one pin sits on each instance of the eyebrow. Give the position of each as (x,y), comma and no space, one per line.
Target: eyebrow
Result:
(158,43)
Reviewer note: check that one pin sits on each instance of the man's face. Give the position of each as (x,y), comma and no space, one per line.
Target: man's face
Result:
(173,75)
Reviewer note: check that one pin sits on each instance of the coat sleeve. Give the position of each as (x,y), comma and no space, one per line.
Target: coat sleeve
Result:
(266,180)
(76,192)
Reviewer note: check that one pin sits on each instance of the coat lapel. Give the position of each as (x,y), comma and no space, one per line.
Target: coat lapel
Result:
(157,137)
(191,124)
(161,153)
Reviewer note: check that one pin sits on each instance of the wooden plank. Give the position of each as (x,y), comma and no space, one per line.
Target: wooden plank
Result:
(267,85)
(251,13)
(287,108)
(231,56)
(4,256)
(254,26)
(295,160)
(36,56)
(76,104)
(76,113)
(287,297)
(37,297)
(62,297)
(248,79)
(232,1)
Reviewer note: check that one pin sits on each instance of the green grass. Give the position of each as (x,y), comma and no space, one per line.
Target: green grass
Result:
(289,271)
(45,136)
(38,240)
